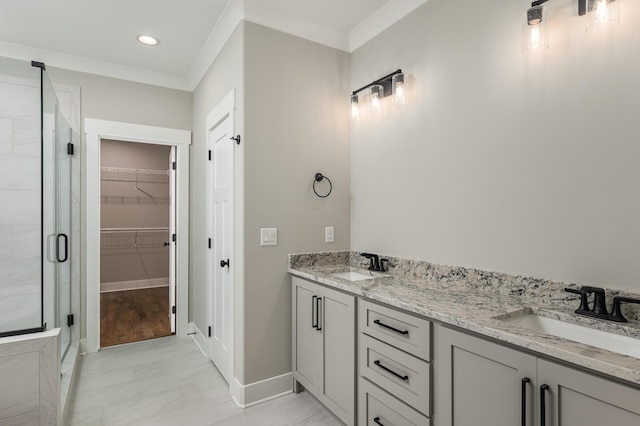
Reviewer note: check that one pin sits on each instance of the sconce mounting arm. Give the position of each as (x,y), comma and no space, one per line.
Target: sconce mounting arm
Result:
(384,82)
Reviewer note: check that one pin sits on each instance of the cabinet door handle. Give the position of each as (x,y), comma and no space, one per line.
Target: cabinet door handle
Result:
(377,420)
(377,362)
(543,405)
(318,327)
(390,328)
(313,313)
(523,405)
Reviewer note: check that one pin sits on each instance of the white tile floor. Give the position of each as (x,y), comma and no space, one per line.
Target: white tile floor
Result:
(169,382)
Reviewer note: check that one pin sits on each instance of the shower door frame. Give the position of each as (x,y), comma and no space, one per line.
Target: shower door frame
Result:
(95,131)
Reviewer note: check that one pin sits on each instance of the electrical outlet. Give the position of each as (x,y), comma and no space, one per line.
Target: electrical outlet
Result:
(328,234)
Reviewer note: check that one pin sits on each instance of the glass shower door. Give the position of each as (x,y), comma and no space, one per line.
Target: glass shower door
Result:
(63,152)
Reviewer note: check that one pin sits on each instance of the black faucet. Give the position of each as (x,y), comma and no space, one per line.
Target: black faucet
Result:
(616,315)
(375,263)
(599,302)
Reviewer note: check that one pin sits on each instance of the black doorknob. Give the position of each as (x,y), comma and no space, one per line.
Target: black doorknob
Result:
(224,263)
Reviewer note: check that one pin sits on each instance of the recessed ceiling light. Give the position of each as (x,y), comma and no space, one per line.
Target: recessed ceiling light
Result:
(148,40)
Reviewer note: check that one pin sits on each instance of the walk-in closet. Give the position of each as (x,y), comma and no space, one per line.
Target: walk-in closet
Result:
(136,256)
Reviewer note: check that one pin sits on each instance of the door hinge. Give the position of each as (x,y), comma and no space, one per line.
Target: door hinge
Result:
(174,165)
(209,331)
(209,155)
(209,242)
(69,148)
(174,238)
(69,320)
(173,309)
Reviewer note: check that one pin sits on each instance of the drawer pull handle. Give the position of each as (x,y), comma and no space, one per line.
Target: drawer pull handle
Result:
(313,312)
(377,420)
(523,404)
(390,328)
(543,405)
(405,378)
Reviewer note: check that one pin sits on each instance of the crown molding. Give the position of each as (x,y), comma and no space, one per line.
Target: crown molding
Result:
(234,13)
(91,66)
(382,19)
(227,23)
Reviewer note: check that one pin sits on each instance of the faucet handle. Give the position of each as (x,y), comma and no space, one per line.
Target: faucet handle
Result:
(382,265)
(616,315)
(584,303)
(371,258)
(599,299)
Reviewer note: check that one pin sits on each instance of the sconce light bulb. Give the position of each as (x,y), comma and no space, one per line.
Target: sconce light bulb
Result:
(376,105)
(535,36)
(355,108)
(603,14)
(397,82)
(534,30)
(601,11)
(375,98)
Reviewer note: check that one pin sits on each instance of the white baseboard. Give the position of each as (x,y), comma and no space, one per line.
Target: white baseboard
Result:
(133,285)
(254,393)
(199,339)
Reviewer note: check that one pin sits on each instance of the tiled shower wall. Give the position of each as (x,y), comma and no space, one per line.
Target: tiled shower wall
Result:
(19,203)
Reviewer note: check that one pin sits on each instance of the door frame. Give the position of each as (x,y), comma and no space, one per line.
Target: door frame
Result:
(95,131)
(223,111)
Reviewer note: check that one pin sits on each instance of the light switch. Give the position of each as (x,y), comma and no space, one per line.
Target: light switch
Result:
(268,236)
(328,234)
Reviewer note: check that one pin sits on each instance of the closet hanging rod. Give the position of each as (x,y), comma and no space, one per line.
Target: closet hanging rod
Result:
(134,229)
(138,171)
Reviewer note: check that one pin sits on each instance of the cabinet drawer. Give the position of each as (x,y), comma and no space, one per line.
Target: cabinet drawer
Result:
(402,375)
(376,404)
(407,332)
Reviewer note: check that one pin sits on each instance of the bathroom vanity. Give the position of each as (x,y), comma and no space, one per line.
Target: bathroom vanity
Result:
(410,350)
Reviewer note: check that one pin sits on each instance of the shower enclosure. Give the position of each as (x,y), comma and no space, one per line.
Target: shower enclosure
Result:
(36,204)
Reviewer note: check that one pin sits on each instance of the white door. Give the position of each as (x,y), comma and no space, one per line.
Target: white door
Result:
(220,227)
(172,243)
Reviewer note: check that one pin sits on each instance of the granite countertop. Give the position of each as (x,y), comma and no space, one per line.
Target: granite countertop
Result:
(462,303)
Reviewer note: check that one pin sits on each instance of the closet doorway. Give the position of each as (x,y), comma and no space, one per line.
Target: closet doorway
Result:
(137,241)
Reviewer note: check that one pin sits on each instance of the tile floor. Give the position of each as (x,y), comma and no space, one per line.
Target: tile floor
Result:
(168,381)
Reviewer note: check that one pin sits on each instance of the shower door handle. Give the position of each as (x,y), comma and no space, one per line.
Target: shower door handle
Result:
(66,248)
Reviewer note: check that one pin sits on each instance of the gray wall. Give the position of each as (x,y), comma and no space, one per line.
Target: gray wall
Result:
(297,124)
(123,205)
(224,75)
(112,99)
(290,99)
(525,164)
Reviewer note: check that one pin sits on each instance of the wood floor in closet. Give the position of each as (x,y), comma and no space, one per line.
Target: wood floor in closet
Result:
(134,315)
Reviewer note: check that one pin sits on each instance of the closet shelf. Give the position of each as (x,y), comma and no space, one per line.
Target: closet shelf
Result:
(133,238)
(118,174)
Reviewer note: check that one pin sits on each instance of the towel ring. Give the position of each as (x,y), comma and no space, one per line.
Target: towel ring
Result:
(319,177)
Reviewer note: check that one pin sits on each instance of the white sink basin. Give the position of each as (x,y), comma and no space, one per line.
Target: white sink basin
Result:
(355,276)
(601,339)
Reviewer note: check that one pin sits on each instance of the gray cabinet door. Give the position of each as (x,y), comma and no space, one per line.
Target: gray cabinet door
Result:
(307,339)
(337,383)
(480,382)
(576,398)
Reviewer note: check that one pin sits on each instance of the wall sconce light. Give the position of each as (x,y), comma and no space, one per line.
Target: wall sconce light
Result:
(376,93)
(535,27)
(355,108)
(397,85)
(392,84)
(602,14)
